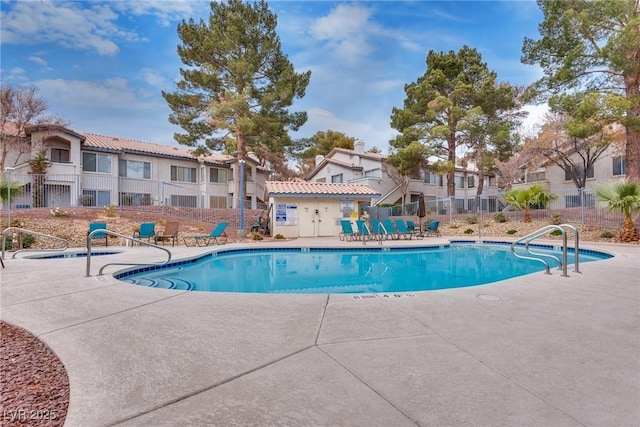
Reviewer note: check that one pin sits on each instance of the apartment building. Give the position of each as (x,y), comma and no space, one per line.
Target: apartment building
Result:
(610,166)
(372,169)
(87,169)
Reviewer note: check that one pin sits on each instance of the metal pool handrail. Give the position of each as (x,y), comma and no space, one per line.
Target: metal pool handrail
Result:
(37,233)
(540,256)
(113,233)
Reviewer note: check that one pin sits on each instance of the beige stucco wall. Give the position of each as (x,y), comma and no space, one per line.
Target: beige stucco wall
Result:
(314,216)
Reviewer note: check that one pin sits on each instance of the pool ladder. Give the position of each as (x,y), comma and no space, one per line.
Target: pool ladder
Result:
(16,230)
(123,236)
(542,257)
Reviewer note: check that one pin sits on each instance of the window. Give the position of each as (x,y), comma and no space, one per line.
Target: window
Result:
(59,155)
(372,173)
(217,202)
(135,199)
(536,176)
(336,178)
(92,162)
(429,177)
(134,169)
(217,175)
(440,180)
(184,201)
(471,181)
(96,198)
(490,181)
(183,174)
(579,172)
(459,180)
(575,201)
(619,166)
(321,179)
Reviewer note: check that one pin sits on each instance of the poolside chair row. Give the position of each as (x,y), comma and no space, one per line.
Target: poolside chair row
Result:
(386,230)
(147,231)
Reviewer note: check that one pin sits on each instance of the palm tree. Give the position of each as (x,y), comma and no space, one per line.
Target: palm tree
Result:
(6,188)
(624,197)
(524,199)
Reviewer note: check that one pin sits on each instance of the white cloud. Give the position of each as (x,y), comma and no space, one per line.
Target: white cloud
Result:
(38,60)
(153,78)
(83,25)
(531,125)
(166,11)
(112,93)
(65,24)
(345,31)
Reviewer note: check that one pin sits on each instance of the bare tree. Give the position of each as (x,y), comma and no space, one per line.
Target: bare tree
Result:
(508,172)
(21,107)
(572,149)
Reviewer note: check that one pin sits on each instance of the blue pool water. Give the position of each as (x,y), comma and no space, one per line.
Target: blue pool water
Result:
(344,270)
(71,254)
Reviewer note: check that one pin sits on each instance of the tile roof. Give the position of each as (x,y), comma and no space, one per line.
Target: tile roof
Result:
(345,164)
(303,187)
(367,155)
(134,146)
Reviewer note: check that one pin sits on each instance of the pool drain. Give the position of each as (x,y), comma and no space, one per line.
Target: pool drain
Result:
(488,297)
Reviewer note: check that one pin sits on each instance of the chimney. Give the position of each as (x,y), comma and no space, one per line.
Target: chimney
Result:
(358,147)
(319,159)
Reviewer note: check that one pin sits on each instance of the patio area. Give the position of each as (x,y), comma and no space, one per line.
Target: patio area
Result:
(538,350)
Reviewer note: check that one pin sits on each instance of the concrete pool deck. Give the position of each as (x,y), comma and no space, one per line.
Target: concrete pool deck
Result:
(551,351)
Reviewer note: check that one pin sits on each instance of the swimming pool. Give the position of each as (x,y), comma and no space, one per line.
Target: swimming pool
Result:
(344,270)
(71,254)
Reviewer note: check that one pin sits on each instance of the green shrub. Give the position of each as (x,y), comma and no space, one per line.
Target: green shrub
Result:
(555,218)
(256,236)
(57,212)
(110,211)
(472,219)
(607,235)
(512,231)
(468,231)
(27,241)
(556,233)
(279,237)
(499,217)
(454,224)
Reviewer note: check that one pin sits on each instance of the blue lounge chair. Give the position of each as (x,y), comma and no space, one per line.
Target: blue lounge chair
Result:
(347,232)
(375,226)
(99,235)
(390,229)
(364,232)
(403,230)
(432,229)
(218,235)
(147,231)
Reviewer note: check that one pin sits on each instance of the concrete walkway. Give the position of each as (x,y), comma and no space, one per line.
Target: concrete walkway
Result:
(548,351)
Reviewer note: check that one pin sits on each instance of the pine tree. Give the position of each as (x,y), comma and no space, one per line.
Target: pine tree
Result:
(237,83)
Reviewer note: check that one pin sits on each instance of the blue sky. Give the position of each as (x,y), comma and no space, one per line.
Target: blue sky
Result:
(101,66)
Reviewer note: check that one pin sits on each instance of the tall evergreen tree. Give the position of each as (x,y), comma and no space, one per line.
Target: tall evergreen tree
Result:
(439,102)
(489,130)
(237,84)
(589,45)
